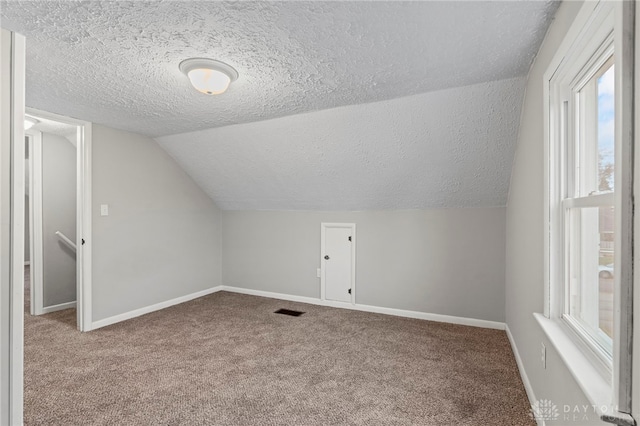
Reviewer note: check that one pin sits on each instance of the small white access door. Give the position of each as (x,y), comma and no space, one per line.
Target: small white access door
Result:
(338,260)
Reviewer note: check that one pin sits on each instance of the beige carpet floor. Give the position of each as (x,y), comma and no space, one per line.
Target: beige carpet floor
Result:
(227,359)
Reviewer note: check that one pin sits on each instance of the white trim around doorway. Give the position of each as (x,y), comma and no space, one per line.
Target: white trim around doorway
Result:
(35,229)
(83,215)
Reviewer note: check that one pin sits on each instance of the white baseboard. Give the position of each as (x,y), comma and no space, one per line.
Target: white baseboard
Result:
(147,309)
(303,299)
(271,295)
(523,374)
(60,307)
(367,308)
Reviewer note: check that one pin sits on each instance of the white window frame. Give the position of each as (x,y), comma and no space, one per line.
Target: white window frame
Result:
(605,378)
(565,85)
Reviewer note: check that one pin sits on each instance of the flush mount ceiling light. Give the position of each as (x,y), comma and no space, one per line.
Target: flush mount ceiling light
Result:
(207,75)
(29,122)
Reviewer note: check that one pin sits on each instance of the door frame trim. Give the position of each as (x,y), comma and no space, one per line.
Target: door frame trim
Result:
(323,228)
(12,218)
(83,214)
(36,283)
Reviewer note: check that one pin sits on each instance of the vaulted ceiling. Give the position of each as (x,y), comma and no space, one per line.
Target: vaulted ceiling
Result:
(448,148)
(431,92)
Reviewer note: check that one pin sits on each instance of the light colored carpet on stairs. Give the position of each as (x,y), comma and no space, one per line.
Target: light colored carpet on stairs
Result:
(227,359)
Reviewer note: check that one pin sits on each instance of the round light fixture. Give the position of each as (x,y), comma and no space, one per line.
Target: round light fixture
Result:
(29,122)
(207,75)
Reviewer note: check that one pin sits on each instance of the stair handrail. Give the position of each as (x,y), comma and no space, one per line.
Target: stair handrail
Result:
(66,240)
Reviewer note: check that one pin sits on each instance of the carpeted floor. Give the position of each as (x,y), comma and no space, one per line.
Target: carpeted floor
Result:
(227,359)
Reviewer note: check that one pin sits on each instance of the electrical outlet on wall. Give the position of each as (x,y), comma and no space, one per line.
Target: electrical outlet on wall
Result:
(543,355)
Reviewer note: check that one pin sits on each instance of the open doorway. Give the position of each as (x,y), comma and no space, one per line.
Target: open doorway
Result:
(56,204)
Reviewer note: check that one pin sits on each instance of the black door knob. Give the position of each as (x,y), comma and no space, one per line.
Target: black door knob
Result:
(326,257)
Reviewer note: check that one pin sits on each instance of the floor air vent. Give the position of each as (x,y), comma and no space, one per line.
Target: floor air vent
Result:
(289,312)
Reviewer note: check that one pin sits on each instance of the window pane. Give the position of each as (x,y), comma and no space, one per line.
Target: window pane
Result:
(591,272)
(595,151)
(605,270)
(606,134)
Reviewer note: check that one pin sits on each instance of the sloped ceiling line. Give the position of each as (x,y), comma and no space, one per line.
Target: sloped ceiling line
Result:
(450,148)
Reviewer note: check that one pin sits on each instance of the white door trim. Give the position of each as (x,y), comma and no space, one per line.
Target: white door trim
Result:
(12,190)
(83,215)
(323,228)
(17,231)
(35,227)
(83,231)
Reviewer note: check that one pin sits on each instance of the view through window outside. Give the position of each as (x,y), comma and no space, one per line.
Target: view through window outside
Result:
(606,163)
(591,236)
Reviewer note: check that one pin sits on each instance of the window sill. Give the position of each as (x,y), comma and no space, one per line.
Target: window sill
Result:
(595,386)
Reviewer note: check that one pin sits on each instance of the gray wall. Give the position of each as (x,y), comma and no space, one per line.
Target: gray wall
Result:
(447,262)
(525,232)
(162,238)
(58,214)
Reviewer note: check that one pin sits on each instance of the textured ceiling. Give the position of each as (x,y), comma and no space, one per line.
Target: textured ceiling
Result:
(339,105)
(116,63)
(449,148)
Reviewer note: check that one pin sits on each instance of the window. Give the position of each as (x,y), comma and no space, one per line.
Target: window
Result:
(587,201)
(588,251)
